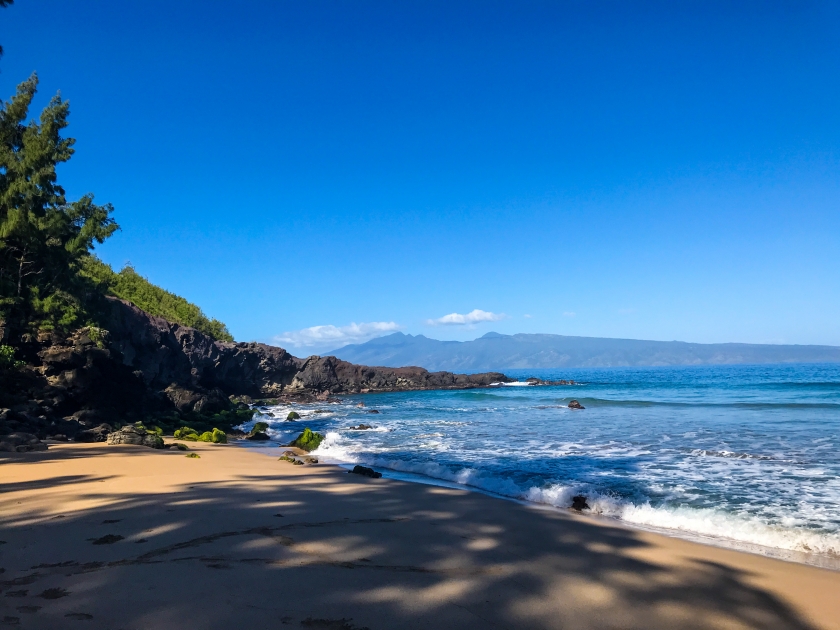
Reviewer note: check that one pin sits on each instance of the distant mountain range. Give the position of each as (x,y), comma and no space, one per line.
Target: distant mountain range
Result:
(499,352)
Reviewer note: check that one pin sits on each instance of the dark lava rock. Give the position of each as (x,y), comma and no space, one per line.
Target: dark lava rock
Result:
(365,471)
(576,405)
(362,427)
(579,503)
(259,436)
(372,411)
(21,443)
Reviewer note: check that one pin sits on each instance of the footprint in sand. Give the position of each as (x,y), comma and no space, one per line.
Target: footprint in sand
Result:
(107,539)
(28,609)
(17,593)
(79,616)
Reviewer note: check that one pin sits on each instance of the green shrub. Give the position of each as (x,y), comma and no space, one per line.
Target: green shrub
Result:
(308,440)
(293,415)
(7,359)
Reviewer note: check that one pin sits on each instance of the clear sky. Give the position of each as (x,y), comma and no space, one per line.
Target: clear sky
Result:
(647,170)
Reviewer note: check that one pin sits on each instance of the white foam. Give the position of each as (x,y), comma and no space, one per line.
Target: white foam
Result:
(513,384)
(707,522)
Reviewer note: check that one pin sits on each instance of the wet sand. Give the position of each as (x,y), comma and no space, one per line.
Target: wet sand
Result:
(127,538)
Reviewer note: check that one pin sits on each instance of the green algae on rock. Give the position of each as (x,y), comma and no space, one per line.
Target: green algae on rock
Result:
(308,440)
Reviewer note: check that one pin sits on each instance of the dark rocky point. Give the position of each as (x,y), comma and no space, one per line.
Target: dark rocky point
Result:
(575,405)
(138,367)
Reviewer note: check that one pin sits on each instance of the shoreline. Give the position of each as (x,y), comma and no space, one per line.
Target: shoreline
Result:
(830,563)
(134,538)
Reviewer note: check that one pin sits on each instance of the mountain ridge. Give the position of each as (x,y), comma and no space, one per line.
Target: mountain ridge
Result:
(495,351)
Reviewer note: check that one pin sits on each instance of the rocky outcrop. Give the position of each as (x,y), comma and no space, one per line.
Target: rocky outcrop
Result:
(138,366)
(575,405)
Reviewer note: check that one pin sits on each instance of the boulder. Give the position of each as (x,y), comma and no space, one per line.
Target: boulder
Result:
(366,472)
(259,436)
(576,405)
(293,415)
(259,427)
(579,503)
(362,427)
(136,436)
(96,434)
(308,440)
(21,443)
(372,411)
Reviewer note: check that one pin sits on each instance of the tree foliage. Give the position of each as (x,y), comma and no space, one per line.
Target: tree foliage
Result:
(44,239)
(130,285)
(49,278)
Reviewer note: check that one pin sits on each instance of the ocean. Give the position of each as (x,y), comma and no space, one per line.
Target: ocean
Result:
(745,456)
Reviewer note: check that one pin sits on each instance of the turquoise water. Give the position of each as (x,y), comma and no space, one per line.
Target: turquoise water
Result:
(744,454)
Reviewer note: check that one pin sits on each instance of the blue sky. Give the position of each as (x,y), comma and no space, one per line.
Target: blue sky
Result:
(644,170)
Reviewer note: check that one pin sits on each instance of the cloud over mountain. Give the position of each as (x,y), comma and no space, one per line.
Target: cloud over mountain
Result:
(333,336)
(473,317)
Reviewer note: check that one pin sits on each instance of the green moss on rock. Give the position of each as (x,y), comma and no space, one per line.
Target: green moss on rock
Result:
(308,440)
(259,427)
(186,433)
(293,415)
(215,437)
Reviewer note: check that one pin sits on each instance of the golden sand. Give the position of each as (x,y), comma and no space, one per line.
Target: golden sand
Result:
(127,538)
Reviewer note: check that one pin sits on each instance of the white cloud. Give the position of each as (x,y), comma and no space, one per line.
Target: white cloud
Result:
(330,337)
(526,316)
(473,317)
(569,314)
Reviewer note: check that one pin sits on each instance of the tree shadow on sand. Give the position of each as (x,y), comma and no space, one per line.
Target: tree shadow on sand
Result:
(332,550)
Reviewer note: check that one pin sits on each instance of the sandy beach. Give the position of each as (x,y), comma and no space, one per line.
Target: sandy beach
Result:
(128,538)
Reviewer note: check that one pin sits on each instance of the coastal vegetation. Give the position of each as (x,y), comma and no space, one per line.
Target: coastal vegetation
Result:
(49,278)
(129,285)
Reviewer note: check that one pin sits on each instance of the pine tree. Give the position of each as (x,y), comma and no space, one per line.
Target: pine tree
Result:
(43,237)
